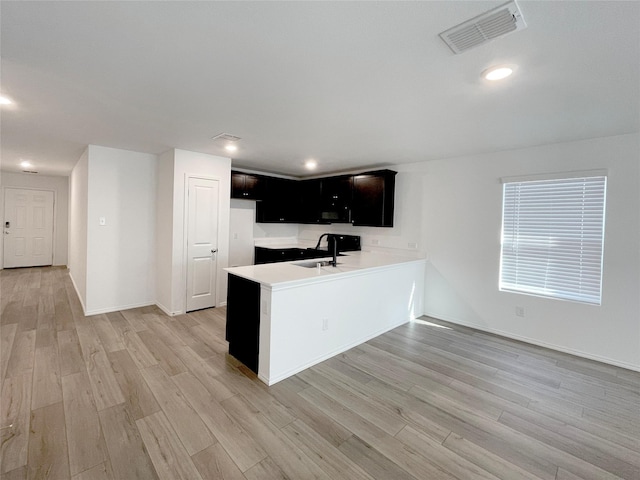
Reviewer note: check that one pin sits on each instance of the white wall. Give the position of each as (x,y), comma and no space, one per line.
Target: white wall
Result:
(78,201)
(164,231)
(462,220)
(242,219)
(120,254)
(191,163)
(244,230)
(60,187)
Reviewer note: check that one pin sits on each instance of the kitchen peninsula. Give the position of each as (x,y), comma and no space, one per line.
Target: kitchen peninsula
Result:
(285,317)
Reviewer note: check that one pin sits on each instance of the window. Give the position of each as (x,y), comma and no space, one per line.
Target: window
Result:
(552,237)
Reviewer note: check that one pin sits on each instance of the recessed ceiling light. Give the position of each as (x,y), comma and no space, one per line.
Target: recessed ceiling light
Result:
(231,147)
(26,164)
(498,72)
(5,101)
(310,164)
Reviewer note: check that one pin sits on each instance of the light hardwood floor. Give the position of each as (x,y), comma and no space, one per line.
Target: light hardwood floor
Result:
(139,395)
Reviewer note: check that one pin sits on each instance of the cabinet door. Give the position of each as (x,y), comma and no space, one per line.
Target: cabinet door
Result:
(281,202)
(373,199)
(237,184)
(310,201)
(247,186)
(335,203)
(243,320)
(254,187)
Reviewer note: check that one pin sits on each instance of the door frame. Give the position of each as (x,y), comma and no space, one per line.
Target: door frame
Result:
(55,218)
(185,231)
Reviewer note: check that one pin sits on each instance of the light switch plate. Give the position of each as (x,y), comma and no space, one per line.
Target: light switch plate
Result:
(102,221)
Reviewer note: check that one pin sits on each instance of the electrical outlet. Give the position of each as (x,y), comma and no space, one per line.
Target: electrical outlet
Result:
(412,245)
(375,241)
(520,311)
(325,324)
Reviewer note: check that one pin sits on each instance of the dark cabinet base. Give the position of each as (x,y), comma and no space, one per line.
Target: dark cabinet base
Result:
(243,320)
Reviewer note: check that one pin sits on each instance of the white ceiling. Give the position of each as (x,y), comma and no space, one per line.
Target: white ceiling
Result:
(351,84)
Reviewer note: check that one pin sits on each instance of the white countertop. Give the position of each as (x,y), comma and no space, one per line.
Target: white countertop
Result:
(278,243)
(291,273)
(279,246)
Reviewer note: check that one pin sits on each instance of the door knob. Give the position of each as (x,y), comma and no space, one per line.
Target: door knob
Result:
(214,250)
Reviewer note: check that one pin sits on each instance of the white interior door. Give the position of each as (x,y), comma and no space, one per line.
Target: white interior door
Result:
(202,243)
(28,228)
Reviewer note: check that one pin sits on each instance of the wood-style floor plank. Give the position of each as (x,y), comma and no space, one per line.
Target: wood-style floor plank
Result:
(84,434)
(164,355)
(47,385)
(48,444)
(139,400)
(7,334)
(215,462)
(322,453)
(185,421)
(169,457)
(137,394)
(103,381)
(22,353)
(284,453)
(490,462)
(266,470)
(71,360)
(372,461)
(99,472)
(15,411)
(129,458)
(239,445)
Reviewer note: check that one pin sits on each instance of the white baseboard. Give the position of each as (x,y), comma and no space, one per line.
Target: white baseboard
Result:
(167,311)
(98,311)
(75,287)
(551,346)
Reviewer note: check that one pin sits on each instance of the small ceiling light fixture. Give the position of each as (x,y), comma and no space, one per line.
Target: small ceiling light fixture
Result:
(498,72)
(26,164)
(231,147)
(310,164)
(5,100)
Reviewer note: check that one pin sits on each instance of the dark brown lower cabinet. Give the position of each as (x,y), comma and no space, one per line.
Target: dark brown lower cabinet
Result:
(243,320)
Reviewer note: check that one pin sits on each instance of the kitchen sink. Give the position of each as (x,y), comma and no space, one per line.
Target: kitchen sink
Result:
(314,264)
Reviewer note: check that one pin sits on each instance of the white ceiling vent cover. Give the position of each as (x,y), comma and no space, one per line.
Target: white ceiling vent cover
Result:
(484,28)
(227,137)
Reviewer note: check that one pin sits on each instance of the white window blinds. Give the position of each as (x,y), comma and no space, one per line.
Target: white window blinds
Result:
(552,238)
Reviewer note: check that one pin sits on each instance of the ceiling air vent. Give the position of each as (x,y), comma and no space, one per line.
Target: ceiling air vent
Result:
(226,137)
(484,28)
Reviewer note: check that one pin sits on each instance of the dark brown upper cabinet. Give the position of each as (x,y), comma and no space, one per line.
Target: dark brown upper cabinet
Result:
(335,199)
(247,186)
(373,199)
(365,199)
(281,202)
(310,200)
